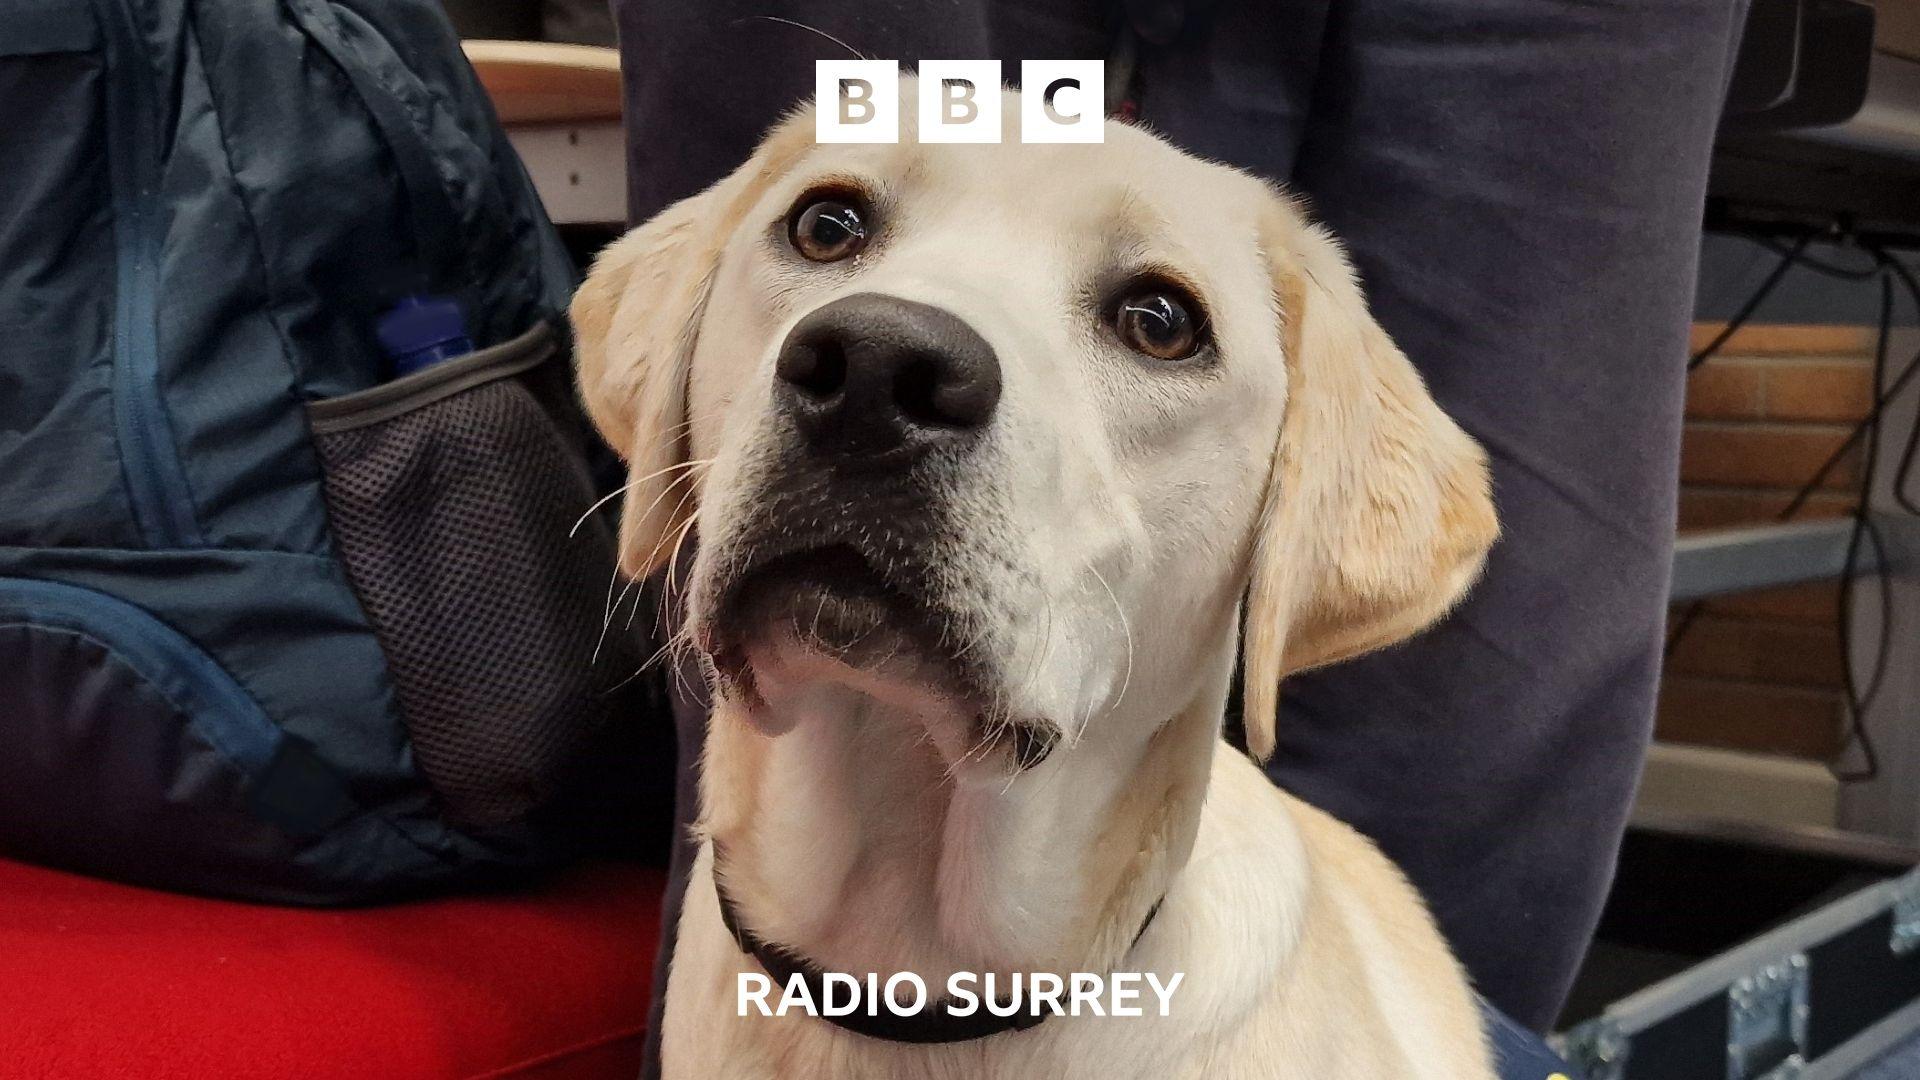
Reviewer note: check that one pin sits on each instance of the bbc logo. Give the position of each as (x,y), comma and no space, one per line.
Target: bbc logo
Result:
(858,101)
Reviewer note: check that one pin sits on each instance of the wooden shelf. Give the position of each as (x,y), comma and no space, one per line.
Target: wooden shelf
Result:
(534,82)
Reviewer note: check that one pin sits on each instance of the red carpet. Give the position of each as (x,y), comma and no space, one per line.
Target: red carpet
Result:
(108,981)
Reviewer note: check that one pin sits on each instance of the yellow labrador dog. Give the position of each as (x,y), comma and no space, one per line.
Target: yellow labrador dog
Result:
(991,451)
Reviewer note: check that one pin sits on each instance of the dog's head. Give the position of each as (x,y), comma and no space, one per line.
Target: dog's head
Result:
(1000,436)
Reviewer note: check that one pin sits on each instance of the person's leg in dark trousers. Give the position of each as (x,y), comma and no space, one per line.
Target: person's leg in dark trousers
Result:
(1520,183)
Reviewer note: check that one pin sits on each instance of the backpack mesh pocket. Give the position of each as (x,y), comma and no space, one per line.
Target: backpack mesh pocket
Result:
(452,494)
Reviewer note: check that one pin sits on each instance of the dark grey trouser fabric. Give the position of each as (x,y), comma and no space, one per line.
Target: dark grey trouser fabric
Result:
(576,22)
(1520,182)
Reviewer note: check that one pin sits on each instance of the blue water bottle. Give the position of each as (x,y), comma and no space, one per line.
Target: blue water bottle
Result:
(421,331)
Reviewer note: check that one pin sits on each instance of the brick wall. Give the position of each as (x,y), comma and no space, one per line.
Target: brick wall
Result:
(1762,671)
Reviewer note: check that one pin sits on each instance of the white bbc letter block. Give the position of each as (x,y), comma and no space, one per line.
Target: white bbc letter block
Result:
(1063,101)
(856,101)
(959,101)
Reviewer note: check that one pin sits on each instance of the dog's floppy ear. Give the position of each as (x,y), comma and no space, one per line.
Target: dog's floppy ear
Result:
(636,319)
(1377,516)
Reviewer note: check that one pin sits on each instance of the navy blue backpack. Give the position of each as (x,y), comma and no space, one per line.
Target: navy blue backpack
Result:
(275,623)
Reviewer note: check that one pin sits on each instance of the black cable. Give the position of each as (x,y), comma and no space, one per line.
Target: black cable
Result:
(1839,454)
(1789,256)
(1865,529)
(1858,699)
(1904,472)
(1787,261)
(1846,273)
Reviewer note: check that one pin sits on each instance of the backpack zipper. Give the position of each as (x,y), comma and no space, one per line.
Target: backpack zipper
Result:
(156,482)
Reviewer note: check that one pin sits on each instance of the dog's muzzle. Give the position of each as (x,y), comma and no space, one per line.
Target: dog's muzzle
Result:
(847,545)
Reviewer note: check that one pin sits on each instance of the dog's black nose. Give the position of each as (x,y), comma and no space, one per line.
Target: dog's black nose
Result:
(868,373)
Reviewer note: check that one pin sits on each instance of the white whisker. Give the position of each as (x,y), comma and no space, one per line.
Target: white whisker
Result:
(809,29)
(1127,682)
(598,503)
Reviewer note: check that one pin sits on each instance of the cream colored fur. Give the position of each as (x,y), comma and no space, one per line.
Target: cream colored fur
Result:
(1118,517)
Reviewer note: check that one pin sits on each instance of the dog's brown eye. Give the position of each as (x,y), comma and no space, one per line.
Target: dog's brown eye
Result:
(828,229)
(1159,322)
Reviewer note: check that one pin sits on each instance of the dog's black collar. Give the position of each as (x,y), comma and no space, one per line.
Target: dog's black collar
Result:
(934,1023)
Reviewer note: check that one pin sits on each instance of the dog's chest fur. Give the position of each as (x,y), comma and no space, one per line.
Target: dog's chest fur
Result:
(1305,956)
